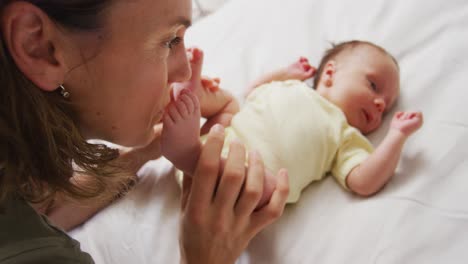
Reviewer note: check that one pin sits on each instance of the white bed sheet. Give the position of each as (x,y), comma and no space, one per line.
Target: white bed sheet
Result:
(422,214)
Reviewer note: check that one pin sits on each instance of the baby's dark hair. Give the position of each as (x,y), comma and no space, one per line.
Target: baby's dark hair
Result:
(337,49)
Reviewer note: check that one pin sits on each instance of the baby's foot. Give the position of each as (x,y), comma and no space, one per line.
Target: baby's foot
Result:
(180,138)
(299,70)
(195,84)
(203,87)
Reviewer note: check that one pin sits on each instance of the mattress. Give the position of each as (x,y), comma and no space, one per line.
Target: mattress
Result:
(421,216)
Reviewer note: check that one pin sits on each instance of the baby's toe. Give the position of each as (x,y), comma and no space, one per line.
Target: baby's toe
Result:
(174,113)
(167,121)
(182,107)
(188,102)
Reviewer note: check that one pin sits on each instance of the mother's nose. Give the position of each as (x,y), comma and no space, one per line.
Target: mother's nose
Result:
(179,67)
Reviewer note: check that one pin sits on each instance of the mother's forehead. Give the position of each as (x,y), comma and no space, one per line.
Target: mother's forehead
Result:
(173,11)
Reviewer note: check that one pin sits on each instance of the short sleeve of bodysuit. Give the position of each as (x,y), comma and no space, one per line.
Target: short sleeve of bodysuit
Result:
(353,150)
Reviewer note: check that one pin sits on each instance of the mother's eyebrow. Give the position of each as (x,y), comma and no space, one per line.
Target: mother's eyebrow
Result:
(181,21)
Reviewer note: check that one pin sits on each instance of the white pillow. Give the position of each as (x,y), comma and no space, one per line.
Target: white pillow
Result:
(202,8)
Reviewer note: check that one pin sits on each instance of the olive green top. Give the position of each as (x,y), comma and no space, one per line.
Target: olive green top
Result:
(27,237)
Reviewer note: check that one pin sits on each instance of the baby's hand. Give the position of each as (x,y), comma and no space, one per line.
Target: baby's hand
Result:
(299,70)
(212,84)
(407,122)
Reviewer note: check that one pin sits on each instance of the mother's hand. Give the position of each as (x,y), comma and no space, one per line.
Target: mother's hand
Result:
(218,205)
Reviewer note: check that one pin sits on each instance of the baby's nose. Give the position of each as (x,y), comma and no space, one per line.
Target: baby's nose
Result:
(380,104)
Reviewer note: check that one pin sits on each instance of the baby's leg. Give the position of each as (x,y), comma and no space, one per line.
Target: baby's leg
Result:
(195,57)
(180,142)
(212,101)
(180,138)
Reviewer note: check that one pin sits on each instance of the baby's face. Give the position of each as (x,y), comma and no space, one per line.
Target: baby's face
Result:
(365,85)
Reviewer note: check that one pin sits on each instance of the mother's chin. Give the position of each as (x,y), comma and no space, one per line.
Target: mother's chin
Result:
(123,136)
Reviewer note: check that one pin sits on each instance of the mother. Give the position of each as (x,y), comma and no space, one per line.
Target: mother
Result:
(79,69)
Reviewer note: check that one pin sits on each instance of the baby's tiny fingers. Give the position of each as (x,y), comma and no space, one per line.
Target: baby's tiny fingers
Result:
(412,115)
(214,87)
(205,82)
(399,114)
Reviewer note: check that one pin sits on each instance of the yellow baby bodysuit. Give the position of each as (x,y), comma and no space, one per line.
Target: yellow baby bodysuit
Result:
(293,127)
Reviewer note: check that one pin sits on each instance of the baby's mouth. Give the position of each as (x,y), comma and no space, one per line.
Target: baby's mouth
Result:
(367,116)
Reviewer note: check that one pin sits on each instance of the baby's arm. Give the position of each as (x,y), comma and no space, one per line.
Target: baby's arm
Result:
(371,175)
(218,106)
(299,70)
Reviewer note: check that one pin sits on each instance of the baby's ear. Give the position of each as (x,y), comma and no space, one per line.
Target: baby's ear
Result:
(329,73)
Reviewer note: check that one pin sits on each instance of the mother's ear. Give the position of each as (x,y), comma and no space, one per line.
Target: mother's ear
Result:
(31,38)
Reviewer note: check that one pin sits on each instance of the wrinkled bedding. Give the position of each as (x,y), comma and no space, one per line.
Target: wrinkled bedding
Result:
(421,216)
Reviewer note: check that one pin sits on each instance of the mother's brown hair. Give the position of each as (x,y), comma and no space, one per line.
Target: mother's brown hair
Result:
(40,143)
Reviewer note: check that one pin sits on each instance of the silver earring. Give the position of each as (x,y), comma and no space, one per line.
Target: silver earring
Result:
(64,92)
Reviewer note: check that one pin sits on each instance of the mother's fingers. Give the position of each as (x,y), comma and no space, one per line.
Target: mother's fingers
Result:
(232,178)
(274,209)
(186,187)
(207,171)
(253,187)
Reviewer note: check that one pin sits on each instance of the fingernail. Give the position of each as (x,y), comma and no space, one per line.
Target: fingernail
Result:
(217,128)
(255,154)
(284,172)
(236,140)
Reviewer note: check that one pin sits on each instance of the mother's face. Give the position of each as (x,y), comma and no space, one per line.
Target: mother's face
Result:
(122,89)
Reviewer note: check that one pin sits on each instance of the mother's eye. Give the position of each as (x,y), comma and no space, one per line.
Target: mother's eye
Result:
(173,42)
